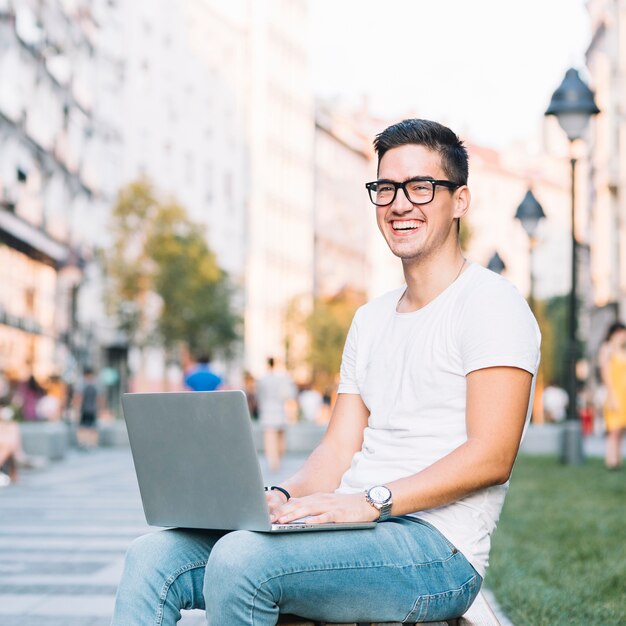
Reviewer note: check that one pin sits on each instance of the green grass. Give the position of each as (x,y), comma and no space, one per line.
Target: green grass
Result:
(559,553)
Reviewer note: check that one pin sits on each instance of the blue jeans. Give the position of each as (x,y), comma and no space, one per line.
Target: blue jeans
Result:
(403,570)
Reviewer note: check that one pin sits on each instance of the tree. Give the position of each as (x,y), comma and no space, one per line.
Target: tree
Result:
(327,326)
(160,259)
(128,267)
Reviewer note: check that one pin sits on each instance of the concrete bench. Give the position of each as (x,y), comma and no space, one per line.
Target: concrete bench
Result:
(45,439)
(479,614)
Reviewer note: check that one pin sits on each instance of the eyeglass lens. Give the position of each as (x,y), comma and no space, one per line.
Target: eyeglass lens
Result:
(417,191)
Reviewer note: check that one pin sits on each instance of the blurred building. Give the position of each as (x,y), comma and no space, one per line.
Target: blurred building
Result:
(57,166)
(343,212)
(183,114)
(498,181)
(183,120)
(281,125)
(218,113)
(606,61)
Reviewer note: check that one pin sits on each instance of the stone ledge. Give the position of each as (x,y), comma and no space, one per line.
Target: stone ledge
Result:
(50,440)
(543,439)
(299,437)
(112,434)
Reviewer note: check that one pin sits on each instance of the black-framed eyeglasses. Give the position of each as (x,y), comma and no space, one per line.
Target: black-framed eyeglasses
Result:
(417,190)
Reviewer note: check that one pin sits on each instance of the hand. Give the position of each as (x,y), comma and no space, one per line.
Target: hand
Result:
(323,508)
(275,500)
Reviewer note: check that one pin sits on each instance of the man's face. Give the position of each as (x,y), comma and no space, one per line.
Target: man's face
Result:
(417,231)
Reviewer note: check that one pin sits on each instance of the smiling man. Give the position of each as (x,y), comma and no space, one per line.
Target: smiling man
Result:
(435,389)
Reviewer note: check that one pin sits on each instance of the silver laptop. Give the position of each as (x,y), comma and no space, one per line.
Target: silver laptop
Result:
(196,463)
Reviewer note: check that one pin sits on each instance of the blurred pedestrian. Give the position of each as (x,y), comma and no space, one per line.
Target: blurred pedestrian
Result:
(201,377)
(28,394)
(88,401)
(274,390)
(49,406)
(310,401)
(555,401)
(249,387)
(11,452)
(612,361)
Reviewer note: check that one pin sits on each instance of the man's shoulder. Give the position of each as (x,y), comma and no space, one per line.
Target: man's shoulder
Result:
(484,286)
(382,303)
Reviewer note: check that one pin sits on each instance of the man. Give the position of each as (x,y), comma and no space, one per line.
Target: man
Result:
(274,390)
(434,394)
(89,401)
(201,377)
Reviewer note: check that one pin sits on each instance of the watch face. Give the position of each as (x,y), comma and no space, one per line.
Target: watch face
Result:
(379,494)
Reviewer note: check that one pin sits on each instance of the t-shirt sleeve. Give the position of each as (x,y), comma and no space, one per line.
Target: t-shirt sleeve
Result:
(498,329)
(347,378)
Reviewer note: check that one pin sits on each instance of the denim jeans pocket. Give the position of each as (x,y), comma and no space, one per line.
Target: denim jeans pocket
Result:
(451,581)
(446,605)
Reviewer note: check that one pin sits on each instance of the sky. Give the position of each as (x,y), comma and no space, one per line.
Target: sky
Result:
(487,68)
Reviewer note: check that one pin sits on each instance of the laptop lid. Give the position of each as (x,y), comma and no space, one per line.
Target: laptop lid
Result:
(195,460)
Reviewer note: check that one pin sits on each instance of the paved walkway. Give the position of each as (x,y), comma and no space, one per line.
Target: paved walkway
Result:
(63,533)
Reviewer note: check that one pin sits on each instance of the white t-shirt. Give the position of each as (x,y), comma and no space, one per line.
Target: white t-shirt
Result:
(410,369)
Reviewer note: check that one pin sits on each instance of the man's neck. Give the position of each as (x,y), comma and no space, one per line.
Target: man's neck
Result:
(427,278)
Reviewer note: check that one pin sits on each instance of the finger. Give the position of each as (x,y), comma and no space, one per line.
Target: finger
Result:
(307,509)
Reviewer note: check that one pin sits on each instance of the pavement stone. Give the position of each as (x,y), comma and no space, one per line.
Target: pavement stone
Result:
(64,530)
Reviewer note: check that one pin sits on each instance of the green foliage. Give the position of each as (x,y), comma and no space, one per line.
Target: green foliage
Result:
(128,266)
(558,555)
(327,326)
(552,316)
(158,251)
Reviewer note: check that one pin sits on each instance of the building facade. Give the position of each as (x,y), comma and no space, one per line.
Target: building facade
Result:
(342,212)
(606,61)
(218,113)
(54,181)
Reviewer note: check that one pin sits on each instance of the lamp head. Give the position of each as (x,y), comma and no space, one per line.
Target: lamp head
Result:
(529,213)
(573,105)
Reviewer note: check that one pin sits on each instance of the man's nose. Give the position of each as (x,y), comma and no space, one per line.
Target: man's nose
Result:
(401,203)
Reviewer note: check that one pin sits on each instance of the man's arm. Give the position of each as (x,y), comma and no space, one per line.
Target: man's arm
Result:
(497,403)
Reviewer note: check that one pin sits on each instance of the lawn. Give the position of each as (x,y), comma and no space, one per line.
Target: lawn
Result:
(559,553)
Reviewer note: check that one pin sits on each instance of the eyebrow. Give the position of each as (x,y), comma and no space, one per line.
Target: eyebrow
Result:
(406,180)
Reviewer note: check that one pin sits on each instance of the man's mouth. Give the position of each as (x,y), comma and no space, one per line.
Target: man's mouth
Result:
(406,225)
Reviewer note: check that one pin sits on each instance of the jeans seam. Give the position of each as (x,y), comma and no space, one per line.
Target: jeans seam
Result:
(342,568)
(422,602)
(168,583)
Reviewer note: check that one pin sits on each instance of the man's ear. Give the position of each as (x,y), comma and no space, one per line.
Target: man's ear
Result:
(463,201)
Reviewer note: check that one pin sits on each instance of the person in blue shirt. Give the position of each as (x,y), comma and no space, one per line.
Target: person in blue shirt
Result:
(201,377)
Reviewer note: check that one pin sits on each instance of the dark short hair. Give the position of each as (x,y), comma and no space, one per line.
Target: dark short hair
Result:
(613,328)
(431,135)
(270,361)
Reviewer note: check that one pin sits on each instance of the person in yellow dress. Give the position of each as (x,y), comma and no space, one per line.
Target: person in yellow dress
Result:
(612,361)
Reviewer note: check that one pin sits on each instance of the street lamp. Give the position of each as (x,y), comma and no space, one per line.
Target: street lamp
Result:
(530,213)
(573,105)
(496,264)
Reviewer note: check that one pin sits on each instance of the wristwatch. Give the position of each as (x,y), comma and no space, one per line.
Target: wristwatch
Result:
(380,498)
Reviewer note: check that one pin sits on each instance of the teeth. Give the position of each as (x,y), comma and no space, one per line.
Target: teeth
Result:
(406,225)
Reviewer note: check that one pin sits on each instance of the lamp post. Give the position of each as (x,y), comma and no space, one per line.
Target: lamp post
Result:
(530,213)
(573,105)
(496,264)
